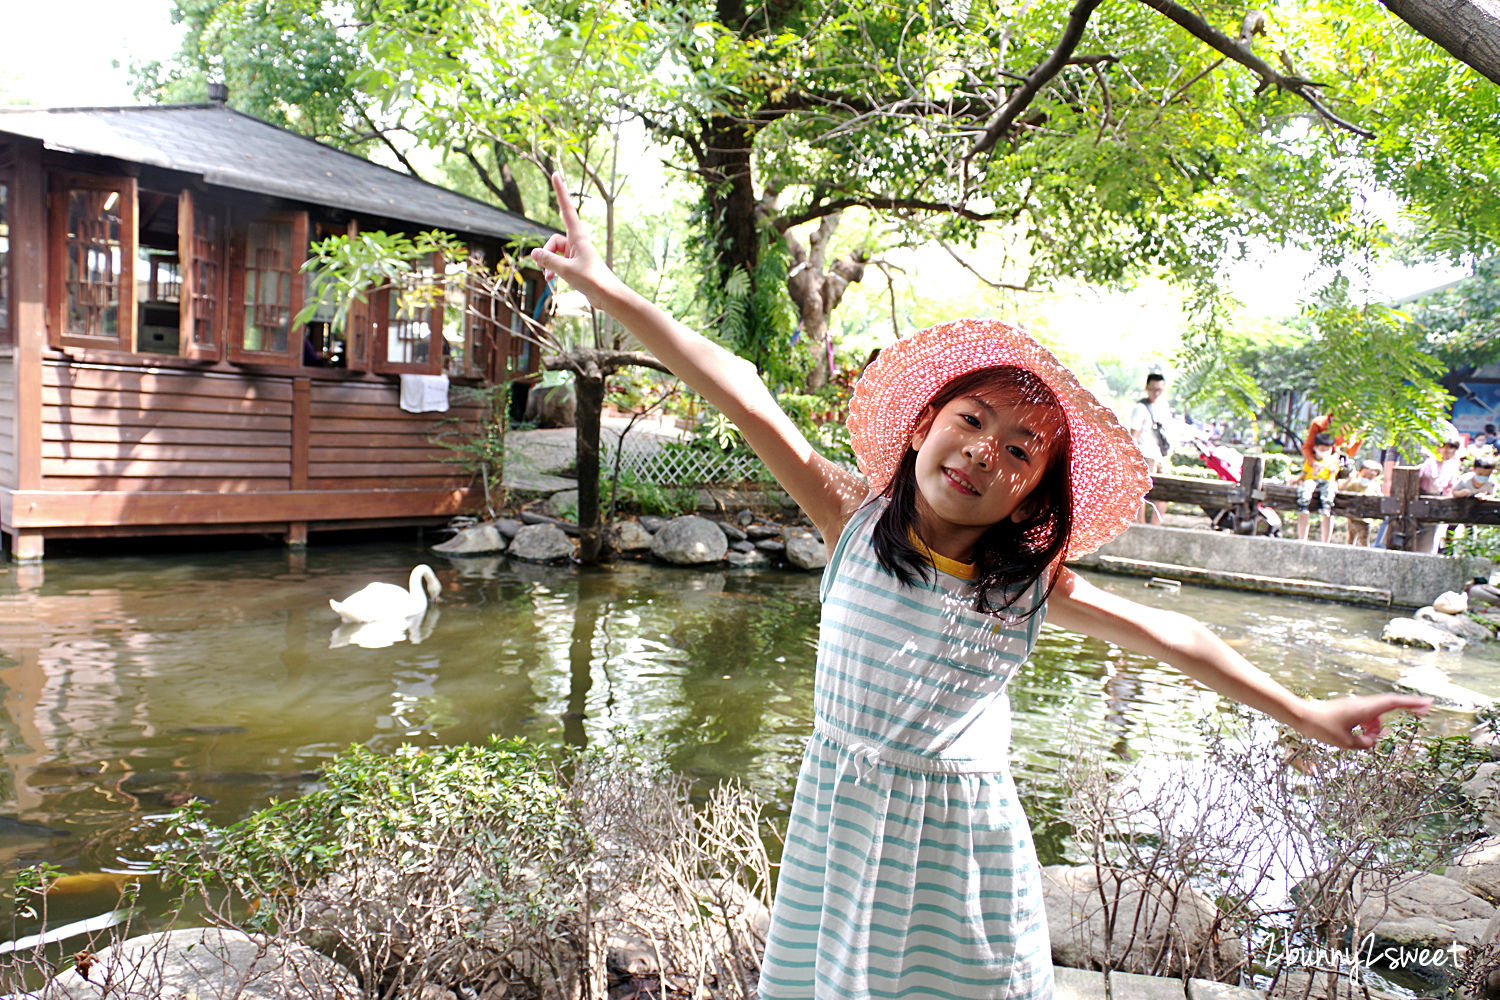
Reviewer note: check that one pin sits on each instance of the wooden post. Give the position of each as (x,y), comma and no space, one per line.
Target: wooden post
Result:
(1402,526)
(296,534)
(1252,473)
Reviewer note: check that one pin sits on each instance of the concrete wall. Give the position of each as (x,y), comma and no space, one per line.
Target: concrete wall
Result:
(1279,565)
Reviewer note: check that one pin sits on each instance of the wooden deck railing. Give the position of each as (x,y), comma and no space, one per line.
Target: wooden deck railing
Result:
(1406,507)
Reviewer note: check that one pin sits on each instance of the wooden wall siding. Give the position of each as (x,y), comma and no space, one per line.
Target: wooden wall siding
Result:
(118,428)
(8,467)
(361,438)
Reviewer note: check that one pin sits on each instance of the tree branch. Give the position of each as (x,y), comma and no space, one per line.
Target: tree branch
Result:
(379,133)
(1072,34)
(1240,53)
(485,178)
(998,285)
(882,202)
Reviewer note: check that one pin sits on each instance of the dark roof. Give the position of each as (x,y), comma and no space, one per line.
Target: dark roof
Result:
(234,150)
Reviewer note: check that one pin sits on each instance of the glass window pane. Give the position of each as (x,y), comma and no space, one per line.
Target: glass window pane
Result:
(93,263)
(268,287)
(409,319)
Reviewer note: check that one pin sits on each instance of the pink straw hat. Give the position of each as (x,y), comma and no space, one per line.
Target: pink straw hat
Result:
(1107,473)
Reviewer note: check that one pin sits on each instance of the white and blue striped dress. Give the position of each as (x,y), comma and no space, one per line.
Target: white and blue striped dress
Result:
(909,870)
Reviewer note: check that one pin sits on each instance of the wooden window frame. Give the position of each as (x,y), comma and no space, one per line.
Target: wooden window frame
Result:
(189,211)
(381,304)
(7,265)
(62,185)
(239,246)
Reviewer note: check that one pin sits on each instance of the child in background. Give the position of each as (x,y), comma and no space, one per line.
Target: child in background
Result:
(1478,481)
(1364,482)
(908,868)
(1318,475)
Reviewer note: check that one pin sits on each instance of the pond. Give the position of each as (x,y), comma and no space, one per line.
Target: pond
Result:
(133,682)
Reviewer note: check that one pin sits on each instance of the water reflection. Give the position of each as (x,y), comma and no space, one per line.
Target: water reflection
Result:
(131,685)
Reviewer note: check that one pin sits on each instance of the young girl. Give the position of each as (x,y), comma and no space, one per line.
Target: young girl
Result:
(909,869)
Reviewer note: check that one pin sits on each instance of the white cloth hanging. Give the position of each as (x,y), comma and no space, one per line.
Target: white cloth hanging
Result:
(424,393)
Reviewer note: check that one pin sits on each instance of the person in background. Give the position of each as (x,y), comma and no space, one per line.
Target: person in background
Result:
(1149,421)
(1363,481)
(1318,475)
(1436,478)
(1478,481)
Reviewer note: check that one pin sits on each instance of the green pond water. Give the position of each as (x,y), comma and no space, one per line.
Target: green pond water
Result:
(129,682)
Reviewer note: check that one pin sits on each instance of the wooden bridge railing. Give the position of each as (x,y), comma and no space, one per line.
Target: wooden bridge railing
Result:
(1407,509)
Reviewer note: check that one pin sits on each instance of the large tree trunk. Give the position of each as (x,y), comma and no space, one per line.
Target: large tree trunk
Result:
(1468,29)
(817,292)
(590,391)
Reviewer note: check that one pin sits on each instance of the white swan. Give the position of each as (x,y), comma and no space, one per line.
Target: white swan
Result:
(386,601)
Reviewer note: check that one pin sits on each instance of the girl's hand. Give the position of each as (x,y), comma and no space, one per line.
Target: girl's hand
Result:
(1334,722)
(573,257)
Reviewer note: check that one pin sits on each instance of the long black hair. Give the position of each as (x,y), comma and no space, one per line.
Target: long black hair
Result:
(1011,555)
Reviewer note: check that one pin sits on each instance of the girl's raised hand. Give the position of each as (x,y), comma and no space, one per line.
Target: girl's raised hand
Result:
(1334,721)
(572,257)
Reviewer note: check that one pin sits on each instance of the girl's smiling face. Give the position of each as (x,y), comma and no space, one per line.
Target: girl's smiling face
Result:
(979,457)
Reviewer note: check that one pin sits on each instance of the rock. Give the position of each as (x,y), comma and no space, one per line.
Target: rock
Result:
(805,551)
(731,531)
(1462,626)
(1299,983)
(541,543)
(652,523)
(1484,791)
(507,526)
(745,546)
(1147,923)
(552,407)
(1429,680)
(689,541)
(1478,865)
(771,546)
(759,531)
(1451,602)
(744,560)
(563,504)
(631,536)
(746,517)
(731,920)
(479,540)
(1410,632)
(205,962)
(1423,914)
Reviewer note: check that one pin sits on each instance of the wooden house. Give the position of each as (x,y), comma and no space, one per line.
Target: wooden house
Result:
(151,378)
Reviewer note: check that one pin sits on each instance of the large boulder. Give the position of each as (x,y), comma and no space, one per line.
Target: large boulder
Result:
(542,543)
(1484,791)
(1415,921)
(1478,866)
(805,550)
(476,540)
(1430,680)
(1462,626)
(1149,919)
(689,541)
(1424,635)
(641,934)
(205,962)
(630,536)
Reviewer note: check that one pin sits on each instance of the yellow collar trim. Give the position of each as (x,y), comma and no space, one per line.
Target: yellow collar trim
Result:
(962,570)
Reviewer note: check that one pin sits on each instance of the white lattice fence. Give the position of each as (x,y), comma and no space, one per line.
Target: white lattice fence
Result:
(643,456)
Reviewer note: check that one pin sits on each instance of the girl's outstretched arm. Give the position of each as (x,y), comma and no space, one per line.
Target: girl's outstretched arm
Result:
(828,493)
(1184,643)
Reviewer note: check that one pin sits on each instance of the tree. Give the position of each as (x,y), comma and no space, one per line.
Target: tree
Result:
(1105,141)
